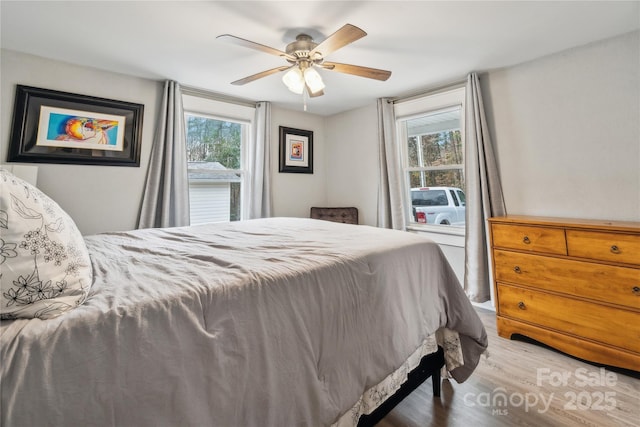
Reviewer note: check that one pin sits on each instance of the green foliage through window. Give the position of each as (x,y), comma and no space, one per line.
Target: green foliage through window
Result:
(211,140)
(437,151)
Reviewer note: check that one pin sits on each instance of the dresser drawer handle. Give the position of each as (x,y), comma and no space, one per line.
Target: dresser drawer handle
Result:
(521,305)
(526,240)
(615,249)
(636,290)
(517,269)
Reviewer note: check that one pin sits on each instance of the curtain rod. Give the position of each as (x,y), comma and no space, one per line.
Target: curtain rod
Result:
(203,93)
(452,85)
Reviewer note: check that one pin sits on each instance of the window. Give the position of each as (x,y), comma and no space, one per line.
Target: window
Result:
(216,147)
(431,131)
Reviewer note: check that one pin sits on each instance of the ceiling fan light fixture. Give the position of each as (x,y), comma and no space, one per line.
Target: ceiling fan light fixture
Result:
(294,81)
(313,80)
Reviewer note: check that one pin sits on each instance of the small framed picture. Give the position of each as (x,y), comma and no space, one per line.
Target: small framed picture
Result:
(59,127)
(296,150)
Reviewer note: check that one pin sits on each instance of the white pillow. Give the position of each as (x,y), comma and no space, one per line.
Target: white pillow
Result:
(45,267)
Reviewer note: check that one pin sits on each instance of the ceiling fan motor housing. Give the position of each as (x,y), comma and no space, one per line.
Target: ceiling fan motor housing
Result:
(301,48)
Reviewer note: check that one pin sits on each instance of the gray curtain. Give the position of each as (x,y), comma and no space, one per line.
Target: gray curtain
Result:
(165,202)
(484,194)
(259,183)
(391,210)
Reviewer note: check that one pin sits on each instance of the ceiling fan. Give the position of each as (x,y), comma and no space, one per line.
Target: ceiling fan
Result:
(304,56)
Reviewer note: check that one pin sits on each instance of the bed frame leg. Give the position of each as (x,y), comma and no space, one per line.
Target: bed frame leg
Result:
(436,381)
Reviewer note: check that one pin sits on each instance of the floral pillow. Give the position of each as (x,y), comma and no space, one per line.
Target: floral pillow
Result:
(45,269)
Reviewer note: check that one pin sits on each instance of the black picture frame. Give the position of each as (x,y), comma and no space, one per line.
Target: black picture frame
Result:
(296,150)
(50,126)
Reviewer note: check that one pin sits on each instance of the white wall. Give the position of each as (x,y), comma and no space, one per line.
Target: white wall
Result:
(107,198)
(352,165)
(565,127)
(295,193)
(567,131)
(98,198)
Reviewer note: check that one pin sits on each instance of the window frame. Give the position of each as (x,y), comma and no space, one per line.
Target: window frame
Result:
(419,107)
(210,108)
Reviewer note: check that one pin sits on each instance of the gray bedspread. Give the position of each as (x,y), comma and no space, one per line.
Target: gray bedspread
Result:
(273,322)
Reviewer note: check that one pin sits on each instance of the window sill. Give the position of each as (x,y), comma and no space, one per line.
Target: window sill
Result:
(442,235)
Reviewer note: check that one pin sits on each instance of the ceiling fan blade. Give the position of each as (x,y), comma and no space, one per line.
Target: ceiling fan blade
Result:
(371,73)
(260,75)
(345,35)
(253,45)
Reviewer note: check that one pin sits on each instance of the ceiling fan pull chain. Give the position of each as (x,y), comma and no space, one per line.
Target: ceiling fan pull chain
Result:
(304,99)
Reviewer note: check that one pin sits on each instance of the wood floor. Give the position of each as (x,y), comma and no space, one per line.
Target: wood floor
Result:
(542,387)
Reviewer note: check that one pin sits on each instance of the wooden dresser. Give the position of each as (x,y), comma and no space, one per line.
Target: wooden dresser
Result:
(571,284)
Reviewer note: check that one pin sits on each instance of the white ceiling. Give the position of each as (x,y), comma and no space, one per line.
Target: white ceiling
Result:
(424,43)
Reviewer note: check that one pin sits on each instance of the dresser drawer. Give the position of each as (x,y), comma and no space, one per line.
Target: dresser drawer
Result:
(529,238)
(617,327)
(624,248)
(607,283)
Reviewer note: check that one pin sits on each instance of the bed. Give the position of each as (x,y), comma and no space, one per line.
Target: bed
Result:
(270,322)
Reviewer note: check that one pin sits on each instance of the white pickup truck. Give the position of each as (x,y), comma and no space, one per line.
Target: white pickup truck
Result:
(438,205)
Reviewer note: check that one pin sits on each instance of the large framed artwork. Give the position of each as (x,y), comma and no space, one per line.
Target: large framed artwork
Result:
(296,150)
(58,127)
